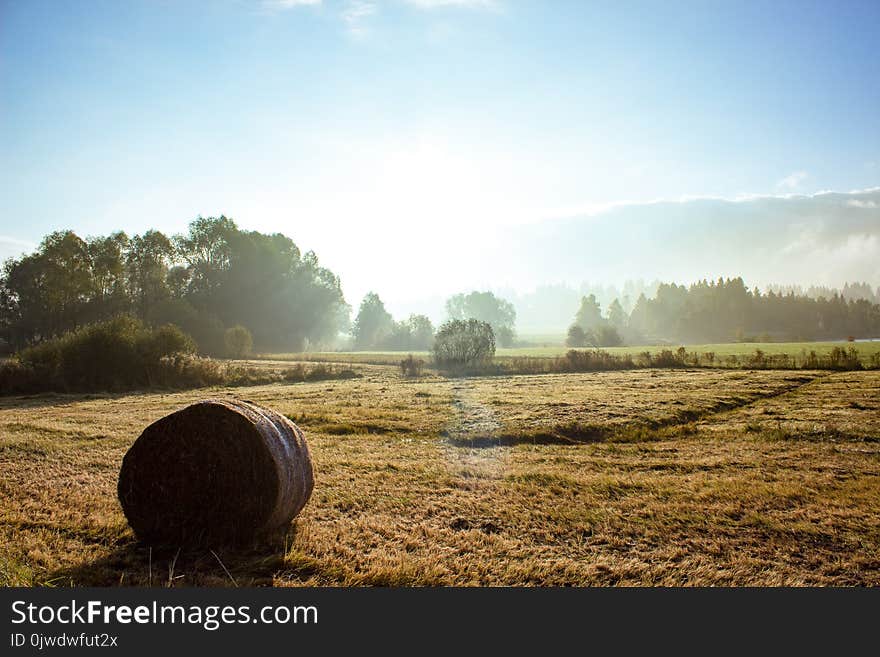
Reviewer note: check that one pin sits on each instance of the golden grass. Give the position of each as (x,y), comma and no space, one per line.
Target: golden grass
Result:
(705,477)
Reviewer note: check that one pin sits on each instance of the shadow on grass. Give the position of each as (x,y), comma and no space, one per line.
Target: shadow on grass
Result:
(56,399)
(558,435)
(136,564)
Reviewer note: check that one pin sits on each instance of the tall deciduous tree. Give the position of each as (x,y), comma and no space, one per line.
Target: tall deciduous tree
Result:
(486,307)
(147,261)
(373,323)
(214,275)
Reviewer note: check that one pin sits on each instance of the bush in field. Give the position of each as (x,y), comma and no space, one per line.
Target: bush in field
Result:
(411,367)
(16,378)
(118,354)
(669,358)
(318,372)
(844,359)
(238,341)
(186,370)
(592,361)
(576,336)
(809,361)
(464,343)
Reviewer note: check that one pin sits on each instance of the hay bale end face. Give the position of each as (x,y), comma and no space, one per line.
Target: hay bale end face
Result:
(215,472)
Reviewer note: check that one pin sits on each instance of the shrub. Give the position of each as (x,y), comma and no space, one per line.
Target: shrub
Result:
(669,358)
(411,367)
(595,360)
(184,370)
(238,341)
(118,354)
(122,355)
(18,378)
(844,359)
(464,343)
(318,372)
(811,361)
(758,360)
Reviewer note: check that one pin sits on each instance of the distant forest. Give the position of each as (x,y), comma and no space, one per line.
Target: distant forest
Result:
(217,276)
(727,311)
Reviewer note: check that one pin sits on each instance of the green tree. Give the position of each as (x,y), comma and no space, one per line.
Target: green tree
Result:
(485,307)
(616,315)
(46,293)
(415,332)
(239,342)
(147,261)
(576,337)
(373,323)
(607,336)
(589,315)
(107,266)
(215,275)
(206,329)
(207,250)
(421,332)
(286,298)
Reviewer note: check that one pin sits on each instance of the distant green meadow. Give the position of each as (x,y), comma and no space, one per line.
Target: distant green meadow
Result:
(865,350)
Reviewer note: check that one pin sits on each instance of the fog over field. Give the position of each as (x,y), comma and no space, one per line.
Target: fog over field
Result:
(827,238)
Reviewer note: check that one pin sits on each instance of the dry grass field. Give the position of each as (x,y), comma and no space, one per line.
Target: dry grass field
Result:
(644,477)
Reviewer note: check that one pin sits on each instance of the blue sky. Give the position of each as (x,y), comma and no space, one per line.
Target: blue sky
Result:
(358,127)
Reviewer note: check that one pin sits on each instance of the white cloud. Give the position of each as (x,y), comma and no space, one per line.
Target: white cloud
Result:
(355,14)
(289,4)
(799,238)
(593,209)
(465,4)
(793,181)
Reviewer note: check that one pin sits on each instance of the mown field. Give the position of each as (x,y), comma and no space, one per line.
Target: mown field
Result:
(865,350)
(641,477)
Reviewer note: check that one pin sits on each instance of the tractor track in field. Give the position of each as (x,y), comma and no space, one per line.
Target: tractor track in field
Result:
(476,425)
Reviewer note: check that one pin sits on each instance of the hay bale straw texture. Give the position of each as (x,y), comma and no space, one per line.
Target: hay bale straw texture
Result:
(217,471)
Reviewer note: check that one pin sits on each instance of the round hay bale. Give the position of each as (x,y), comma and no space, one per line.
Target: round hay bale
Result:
(217,472)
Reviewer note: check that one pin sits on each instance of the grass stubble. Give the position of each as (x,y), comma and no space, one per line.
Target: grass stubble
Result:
(645,477)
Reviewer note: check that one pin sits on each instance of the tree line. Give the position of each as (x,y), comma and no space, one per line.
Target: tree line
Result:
(221,285)
(725,310)
(375,328)
(212,277)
